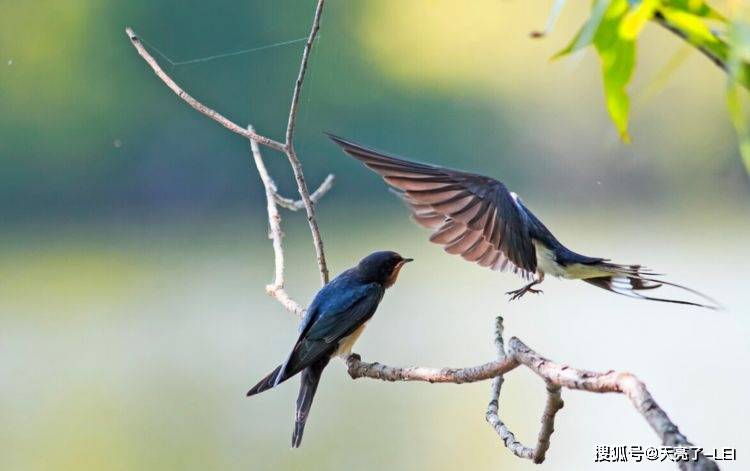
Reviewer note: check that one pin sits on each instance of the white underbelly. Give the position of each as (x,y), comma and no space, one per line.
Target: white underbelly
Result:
(546,262)
(347,343)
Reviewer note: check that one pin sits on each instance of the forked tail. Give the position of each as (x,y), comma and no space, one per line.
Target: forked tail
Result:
(270,380)
(309,384)
(632,280)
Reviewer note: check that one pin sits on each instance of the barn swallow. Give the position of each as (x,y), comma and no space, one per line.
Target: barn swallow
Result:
(333,322)
(478,218)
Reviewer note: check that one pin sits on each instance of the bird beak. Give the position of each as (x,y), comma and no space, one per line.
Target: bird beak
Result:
(394,274)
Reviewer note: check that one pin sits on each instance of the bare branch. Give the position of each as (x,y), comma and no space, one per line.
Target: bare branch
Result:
(493,409)
(287,148)
(553,405)
(195,103)
(360,369)
(556,376)
(551,408)
(299,177)
(292,121)
(275,289)
(294,161)
(611,381)
(296,205)
(493,418)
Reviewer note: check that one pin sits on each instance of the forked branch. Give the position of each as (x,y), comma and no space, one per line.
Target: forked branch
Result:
(275,289)
(198,106)
(287,147)
(553,406)
(555,376)
(296,205)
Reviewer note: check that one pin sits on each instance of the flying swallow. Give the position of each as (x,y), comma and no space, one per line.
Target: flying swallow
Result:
(476,217)
(333,322)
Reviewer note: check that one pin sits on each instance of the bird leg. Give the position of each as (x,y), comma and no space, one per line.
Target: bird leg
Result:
(516,294)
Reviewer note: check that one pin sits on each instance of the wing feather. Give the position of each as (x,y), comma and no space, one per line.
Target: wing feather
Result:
(489,259)
(471,215)
(428,219)
(448,233)
(465,242)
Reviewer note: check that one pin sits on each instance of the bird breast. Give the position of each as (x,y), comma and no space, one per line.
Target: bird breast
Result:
(347,343)
(546,261)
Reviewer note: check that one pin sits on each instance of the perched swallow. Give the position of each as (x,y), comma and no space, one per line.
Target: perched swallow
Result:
(478,218)
(333,322)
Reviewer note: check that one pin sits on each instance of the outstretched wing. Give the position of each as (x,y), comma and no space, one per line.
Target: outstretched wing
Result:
(473,216)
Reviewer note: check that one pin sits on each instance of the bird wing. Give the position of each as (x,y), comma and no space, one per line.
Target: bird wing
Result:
(473,216)
(340,319)
(337,311)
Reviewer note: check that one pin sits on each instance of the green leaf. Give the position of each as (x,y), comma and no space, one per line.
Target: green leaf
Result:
(616,51)
(695,7)
(617,56)
(585,35)
(739,39)
(554,14)
(692,25)
(740,122)
(658,82)
(634,21)
(738,76)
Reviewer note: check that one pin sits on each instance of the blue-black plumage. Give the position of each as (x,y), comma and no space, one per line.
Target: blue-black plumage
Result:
(333,322)
(477,217)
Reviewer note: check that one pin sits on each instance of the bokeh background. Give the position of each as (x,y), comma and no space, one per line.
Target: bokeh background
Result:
(133,250)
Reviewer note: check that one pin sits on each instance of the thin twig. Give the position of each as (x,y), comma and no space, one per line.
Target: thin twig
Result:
(502,430)
(304,193)
(219,118)
(292,120)
(554,404)
(662,21)
(275,289)
(556,376)
(296,205)
(291,153)
(307,201)
(551,408)
(493,408)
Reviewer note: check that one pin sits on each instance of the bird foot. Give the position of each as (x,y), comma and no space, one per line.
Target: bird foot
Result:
(518,293)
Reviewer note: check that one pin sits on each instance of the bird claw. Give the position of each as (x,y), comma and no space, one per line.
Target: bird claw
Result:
(518,293)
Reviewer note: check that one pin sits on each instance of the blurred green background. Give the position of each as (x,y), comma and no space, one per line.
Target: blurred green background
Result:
(133,255)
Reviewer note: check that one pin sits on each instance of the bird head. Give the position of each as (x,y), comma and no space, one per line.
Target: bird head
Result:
(381,267)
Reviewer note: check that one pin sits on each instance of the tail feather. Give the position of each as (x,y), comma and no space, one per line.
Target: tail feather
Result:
(309,384)
(291,366)
(630,280)
(271,380)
